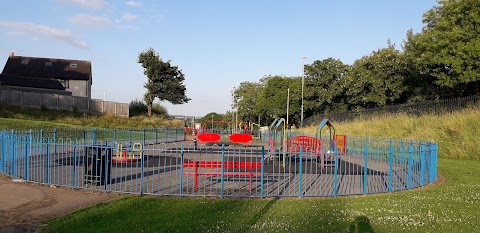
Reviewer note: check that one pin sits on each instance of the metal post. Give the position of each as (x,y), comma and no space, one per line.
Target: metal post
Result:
(422,164)
(13,153)
(390,162)
(335,191)
(300,192)
(75,163)
(4,151)
(142,159)
(223,170)
(181,170)
(303,77)
(365,166)
(410,164)
(48,162)
(261,178)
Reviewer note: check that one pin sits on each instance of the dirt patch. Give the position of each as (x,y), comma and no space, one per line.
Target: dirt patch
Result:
(24,206)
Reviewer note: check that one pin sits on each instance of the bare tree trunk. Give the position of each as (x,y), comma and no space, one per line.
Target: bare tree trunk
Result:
(149,107)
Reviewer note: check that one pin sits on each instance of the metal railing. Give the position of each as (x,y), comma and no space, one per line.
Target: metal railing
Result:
(420,108)
(175,167)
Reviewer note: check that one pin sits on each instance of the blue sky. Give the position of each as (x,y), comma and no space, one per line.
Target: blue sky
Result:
(217,44)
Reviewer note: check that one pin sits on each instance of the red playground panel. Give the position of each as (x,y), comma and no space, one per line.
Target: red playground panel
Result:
(209,137)
(241,138)
(306,142)
(341,141)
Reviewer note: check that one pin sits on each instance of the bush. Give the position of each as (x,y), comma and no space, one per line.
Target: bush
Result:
(137,107)
(158,109)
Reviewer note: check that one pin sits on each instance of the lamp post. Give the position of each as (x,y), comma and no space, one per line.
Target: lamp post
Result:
(303,81)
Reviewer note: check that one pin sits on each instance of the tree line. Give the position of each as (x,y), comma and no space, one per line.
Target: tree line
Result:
(440,61)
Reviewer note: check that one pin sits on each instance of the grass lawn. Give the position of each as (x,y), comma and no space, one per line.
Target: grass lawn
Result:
(453,206)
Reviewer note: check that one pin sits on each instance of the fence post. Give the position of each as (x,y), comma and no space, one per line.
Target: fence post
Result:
(75,163)
(94,136)
(166,135)
(115,134)
(176,140)
(181,170)
(223,170)
(261,178)
(410,165)
(336,171)
(30,146)
(365,166)
(300,194)
(4,151)
(142,159)
(13,153)
(390,162)
(422,164)
(144,137)
(54,141)
(26,143)
(47,169)
(156,136)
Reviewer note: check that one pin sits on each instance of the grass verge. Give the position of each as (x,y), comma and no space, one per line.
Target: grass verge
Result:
(14,117)
(450,207)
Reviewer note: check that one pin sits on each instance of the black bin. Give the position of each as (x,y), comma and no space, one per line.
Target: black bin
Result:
(98,165)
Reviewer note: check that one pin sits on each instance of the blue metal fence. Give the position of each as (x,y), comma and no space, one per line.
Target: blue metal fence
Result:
(160,162)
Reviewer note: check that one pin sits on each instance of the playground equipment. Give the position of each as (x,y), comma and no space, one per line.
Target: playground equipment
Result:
(126,155)
(242,137)
(311,147)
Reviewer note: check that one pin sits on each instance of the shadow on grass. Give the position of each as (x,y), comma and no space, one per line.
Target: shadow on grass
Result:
(361,224)
(255,218)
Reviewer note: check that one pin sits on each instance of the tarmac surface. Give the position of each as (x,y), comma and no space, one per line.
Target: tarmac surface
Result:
(24,207)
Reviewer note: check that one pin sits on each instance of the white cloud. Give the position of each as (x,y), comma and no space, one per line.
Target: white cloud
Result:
(90,20)
(129,16)
(134,3)
(89,4)
(37,30)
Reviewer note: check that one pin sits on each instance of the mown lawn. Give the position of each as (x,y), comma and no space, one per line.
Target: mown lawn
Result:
(453,206)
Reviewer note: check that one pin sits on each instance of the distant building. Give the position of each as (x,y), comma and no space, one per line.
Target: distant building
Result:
(47,75)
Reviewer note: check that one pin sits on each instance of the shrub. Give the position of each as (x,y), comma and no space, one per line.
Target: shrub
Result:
(137,107)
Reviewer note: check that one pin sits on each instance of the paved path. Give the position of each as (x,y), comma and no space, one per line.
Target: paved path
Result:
(24,206)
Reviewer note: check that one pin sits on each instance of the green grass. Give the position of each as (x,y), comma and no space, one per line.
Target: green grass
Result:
(451,207)
(13,117)
(457,134)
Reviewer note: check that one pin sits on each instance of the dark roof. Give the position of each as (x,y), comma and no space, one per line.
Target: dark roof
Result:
(20,81)
(56,68)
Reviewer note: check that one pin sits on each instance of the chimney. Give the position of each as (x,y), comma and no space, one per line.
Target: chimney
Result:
(12,54)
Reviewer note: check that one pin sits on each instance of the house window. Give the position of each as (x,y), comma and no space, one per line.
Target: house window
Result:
(64,83)
(25,61)
(73,65)
(48,64)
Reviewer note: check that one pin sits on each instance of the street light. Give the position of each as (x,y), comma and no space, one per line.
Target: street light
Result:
(303,81)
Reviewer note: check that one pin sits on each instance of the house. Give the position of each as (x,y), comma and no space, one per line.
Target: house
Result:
(47,75)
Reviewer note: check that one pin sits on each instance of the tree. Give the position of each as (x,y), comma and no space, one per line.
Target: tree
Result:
(272,101)
(245,96)
(446,53)
(378,79)
(325,86)
(165,81)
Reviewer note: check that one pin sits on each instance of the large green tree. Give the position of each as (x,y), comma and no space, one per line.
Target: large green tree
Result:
(272,101)
(325,86)
(165,81)
(378,79)
(446,54)
(245,96)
